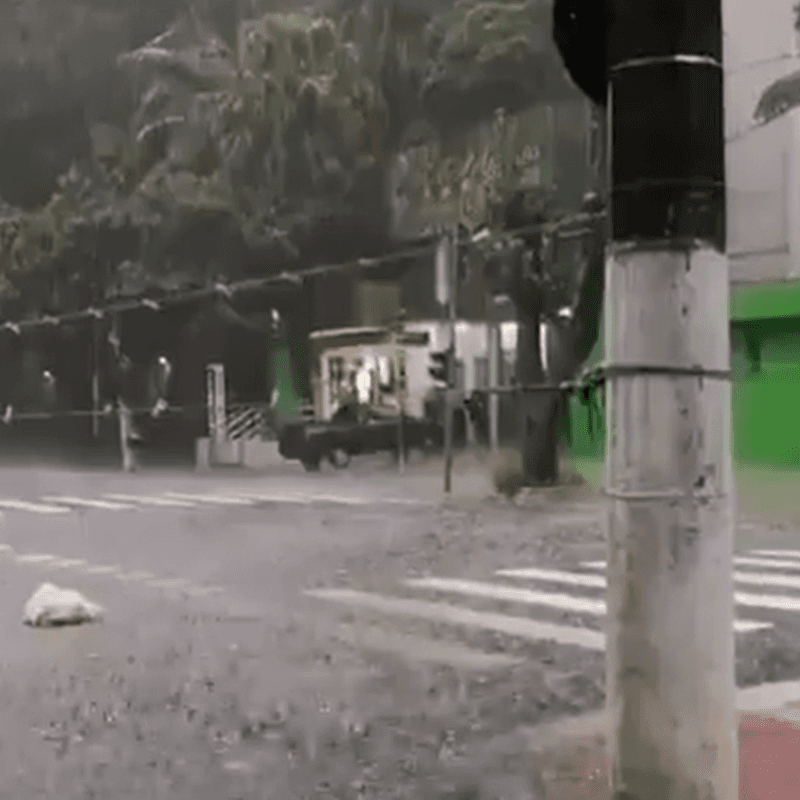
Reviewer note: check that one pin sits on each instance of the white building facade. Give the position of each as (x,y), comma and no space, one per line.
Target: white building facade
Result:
(762,162)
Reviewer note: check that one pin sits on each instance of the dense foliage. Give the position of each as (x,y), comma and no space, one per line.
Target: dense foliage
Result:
(270,144)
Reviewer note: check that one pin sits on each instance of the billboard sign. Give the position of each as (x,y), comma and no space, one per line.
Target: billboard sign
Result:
(465,181)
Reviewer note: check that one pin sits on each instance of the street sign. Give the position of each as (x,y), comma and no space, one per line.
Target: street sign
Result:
(215,395)
(442,270)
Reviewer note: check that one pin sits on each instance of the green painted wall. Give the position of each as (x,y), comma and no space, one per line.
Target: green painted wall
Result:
(766,425)
(765,407)
(289,402)
(751,302)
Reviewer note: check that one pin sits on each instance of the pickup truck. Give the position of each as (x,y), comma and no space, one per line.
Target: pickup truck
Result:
(311,441)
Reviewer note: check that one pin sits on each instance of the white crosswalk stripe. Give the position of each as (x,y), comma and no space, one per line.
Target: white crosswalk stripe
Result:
(334,499)
(115,501)
(577,595)
(139,575)
(445,613)
(563,602)
(82,502)
(35,508)
(168,583)
(778,553)
(66,563)
(511,594)
(739,561)
(223,500)
(266,497)
(35,558)
(555,576)
(102,569)
(161,502)
(782,602)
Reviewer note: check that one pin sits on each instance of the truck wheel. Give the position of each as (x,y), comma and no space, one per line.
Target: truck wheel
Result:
(311,463)
(339,458)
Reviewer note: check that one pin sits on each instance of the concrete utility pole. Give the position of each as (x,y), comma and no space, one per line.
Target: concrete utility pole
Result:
(495,351)
(450,244)
(400,361)
(670,667)
(446,285)
(96,378)
(447,260)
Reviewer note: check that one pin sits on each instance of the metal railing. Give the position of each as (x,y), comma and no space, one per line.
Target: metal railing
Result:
(247,422)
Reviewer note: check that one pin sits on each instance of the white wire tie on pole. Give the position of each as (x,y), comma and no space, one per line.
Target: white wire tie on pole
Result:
(151,304)
(13,327)
(677,58)
(94,312)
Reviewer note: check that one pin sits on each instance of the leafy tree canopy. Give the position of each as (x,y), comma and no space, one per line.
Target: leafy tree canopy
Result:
(285,133)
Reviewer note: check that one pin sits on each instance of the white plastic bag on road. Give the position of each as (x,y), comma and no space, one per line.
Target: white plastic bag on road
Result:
(50,605)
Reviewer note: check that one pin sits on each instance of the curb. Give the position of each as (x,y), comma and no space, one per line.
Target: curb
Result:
(570,761)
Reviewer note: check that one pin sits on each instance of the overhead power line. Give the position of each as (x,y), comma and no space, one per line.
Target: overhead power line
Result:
(254,284)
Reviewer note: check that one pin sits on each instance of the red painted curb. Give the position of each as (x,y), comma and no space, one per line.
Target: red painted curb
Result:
(769,764)
(769,758)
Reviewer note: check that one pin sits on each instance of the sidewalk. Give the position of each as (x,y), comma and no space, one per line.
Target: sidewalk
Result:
(570,760)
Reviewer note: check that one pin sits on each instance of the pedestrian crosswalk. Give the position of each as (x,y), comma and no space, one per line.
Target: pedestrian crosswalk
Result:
(222,497)
(544,596)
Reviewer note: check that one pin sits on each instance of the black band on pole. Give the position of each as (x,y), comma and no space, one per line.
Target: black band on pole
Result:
(666,104)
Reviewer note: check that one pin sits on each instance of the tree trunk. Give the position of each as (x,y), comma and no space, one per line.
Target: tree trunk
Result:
(570,342)
(569,345)
(538,411)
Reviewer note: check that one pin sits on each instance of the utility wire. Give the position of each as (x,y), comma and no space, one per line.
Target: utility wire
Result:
(229,289)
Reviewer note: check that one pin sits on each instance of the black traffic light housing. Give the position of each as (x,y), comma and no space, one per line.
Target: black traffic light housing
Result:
(580,32)
(442,369)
